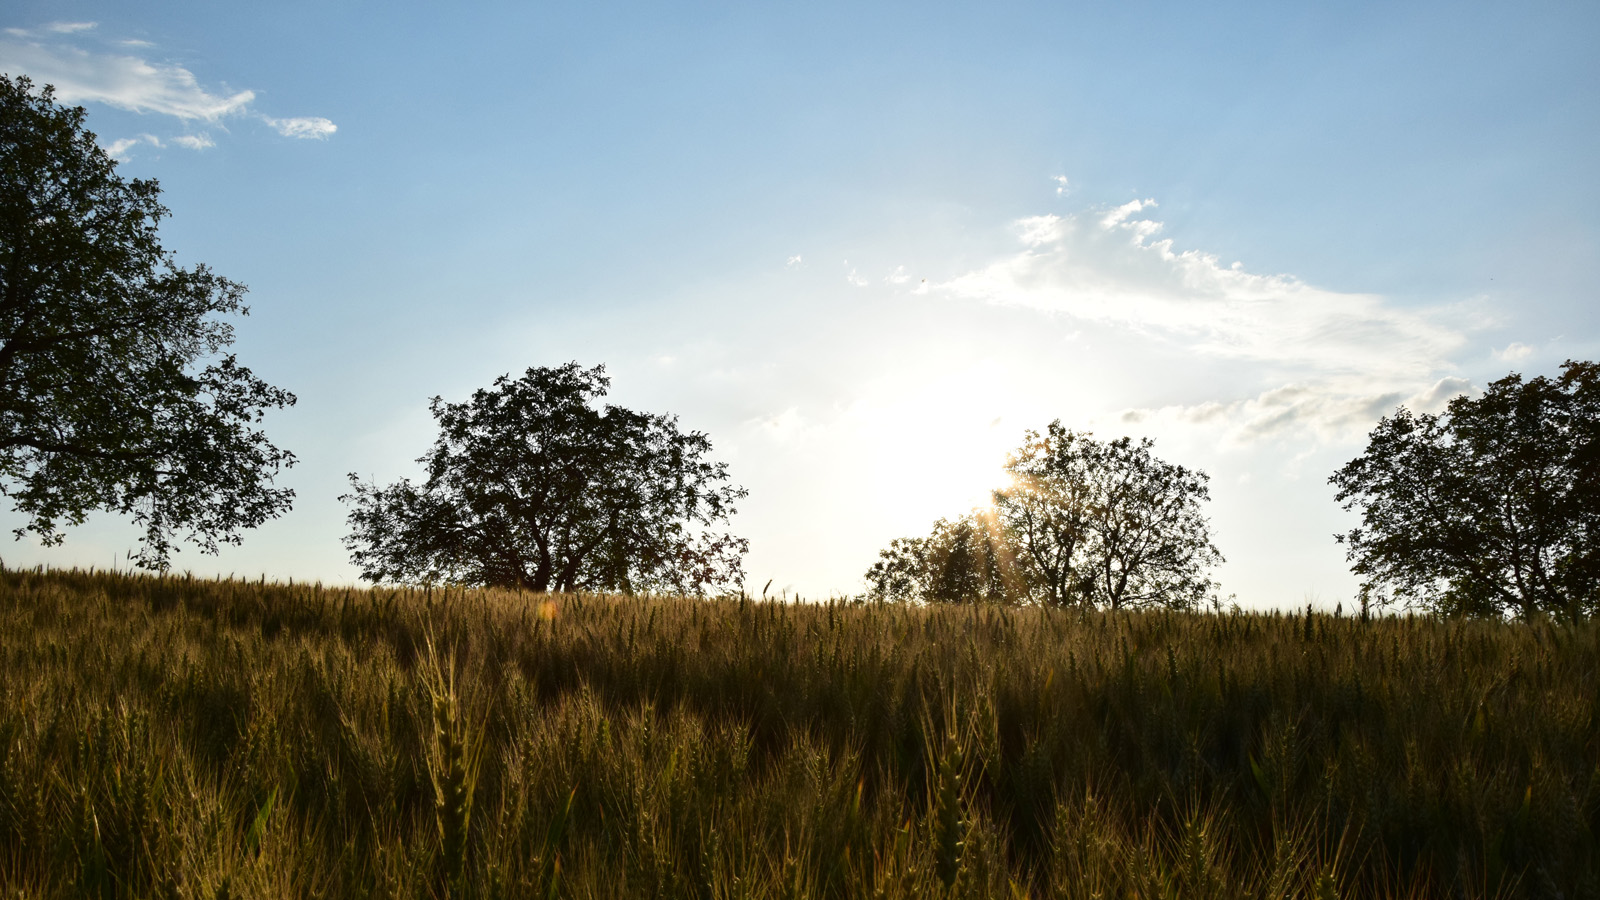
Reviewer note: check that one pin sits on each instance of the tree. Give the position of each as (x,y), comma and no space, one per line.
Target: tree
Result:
(530,486)
(967,559)
(1106,523)
(1048,510)
(115,393)
(1084,522)
(1492,508)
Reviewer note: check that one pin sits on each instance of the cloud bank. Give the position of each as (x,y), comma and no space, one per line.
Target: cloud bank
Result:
(1324,411)
(132,83)
(1332,362)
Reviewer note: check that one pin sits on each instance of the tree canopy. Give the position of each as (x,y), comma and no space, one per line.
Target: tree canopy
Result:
(1083,522)
(1491,508)
(115,391)
(530,486)
(965,559)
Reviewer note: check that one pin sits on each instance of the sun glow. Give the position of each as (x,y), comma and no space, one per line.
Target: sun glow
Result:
(936,448)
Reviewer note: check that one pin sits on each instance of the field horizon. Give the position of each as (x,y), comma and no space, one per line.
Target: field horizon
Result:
(172,736)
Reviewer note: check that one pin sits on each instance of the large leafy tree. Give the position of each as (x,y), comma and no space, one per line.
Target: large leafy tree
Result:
(115,390)
(530,485)
(1049,510)
(1107,523)
(1083,522)
(1491,508)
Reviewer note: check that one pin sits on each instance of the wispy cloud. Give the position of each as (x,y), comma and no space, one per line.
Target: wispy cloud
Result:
(1322,410)
(302,126)
(1037,230)
(1339,359)
(121,146)
(199,141)
(1514,351)
(52,28)
(126,82)
(49,55)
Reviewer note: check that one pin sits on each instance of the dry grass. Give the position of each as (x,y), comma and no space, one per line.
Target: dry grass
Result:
(168,737)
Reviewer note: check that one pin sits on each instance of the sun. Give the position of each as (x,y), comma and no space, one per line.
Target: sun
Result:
(936,448)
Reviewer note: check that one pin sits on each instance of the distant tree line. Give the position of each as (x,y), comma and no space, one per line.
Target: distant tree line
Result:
(117,393)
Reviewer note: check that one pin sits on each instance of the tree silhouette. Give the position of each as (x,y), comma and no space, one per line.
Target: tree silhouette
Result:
(530,486)
(1491,508)
(115,393)
(1084,522)
(965,559)
(1106,523)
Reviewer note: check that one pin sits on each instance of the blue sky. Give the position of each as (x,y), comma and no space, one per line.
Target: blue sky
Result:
(864,246)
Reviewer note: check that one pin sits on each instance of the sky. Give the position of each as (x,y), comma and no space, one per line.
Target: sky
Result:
(864,246)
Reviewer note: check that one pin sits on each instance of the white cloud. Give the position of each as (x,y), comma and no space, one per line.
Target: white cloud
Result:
(1036,230)
(1338,359)
(1437,397)
(1119,215)
(794,262)
(1061,185)
(898,276)
(855,277)
(1189,298)
(53,28)
(135,84)
(1514,351)
(314,127)
(126,82)
(1324,411)
(118,149)
(199,141)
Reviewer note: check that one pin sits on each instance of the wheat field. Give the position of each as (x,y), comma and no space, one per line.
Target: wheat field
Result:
(166,737)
